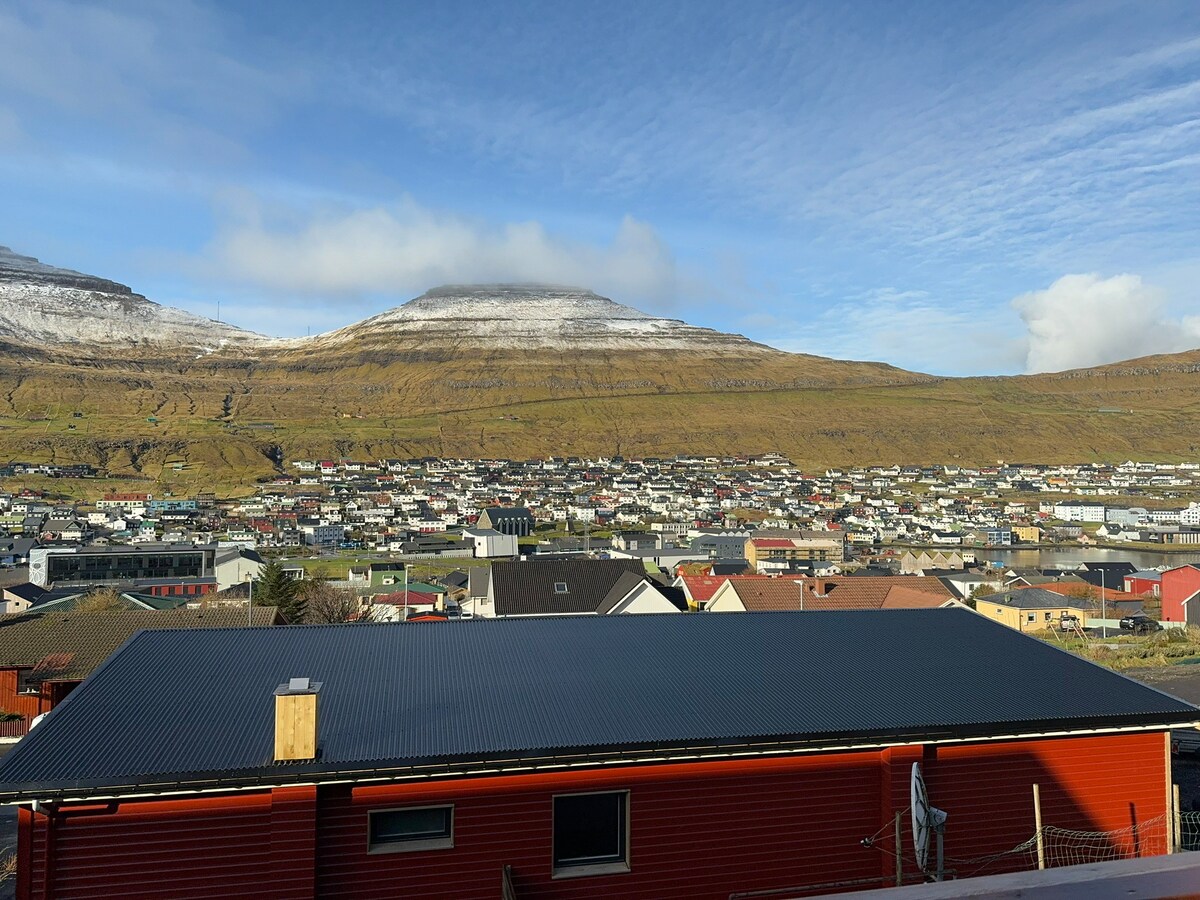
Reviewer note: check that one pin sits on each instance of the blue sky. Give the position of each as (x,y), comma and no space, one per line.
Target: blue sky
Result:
(954,188)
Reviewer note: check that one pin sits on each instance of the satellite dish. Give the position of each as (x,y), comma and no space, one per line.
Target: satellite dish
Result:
(925,819)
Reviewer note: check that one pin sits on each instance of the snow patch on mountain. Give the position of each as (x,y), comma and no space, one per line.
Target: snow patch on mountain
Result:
(41,304)
(505,316)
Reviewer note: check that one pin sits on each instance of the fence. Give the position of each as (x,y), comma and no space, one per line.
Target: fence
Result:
(16,728)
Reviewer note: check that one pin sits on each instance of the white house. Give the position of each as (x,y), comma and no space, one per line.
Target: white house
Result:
(490,543)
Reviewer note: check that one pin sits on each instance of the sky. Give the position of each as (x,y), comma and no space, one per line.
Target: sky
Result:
(954,188)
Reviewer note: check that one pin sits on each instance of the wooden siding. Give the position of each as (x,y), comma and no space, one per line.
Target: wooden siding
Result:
(28,705)
(1102,783)
(696,830)
(1178,585)
(699,829)
(158,850)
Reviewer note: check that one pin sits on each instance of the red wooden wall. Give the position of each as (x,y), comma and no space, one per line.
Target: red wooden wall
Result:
(1177,585)
(50,694)
(700,830)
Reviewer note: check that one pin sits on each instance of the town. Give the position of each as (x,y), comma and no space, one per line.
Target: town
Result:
(408,537)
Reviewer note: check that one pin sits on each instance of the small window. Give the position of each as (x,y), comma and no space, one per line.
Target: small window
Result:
(1048,616)
(560,587)
(418,828)
(591,835)
(1030,617)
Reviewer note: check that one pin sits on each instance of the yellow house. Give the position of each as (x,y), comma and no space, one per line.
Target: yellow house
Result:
(1027,534)
(1033,609)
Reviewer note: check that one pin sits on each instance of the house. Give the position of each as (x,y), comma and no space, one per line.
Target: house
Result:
(916,563)
(490,543)
(1144,583)
(830,593)
(16,598)
(1180,589)
(515,520)
(15,551)
(636,540)
(571,587)
(1034,609)
(595,741)
(385,574)
(699,589)
(780,552)
(45,657)
(1027,534)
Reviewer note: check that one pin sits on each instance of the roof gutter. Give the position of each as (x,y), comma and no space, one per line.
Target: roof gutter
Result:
(481,769)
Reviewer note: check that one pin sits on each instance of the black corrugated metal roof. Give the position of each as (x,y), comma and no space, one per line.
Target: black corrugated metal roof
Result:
(190,709)
(531,587)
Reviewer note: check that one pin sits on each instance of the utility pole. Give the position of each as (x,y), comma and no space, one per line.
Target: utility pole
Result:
(250,604)
(1103,608)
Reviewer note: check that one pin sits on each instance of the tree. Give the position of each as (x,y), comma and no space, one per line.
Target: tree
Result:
(100,600)
(328,605)
(1081,591)
(274,588)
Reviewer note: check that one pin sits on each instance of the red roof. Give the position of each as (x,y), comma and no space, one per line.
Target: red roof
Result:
(774,542)
(702,587)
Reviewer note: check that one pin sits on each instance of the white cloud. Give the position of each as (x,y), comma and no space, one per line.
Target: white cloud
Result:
(406,248)
(1087,320)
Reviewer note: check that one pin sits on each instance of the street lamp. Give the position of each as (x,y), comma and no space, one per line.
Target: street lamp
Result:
(1103,608)
(250,602)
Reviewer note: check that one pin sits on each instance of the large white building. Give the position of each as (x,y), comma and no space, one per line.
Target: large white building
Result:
(1079,511)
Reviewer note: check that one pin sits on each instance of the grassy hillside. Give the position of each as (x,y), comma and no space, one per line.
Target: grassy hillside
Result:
(225,420)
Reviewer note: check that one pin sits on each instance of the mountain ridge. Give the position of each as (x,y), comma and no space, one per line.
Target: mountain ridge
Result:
(47,305)
(448,374)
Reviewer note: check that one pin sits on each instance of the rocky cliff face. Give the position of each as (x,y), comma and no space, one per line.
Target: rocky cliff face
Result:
(44,305)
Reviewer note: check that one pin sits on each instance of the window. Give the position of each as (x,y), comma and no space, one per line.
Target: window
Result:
(417,828)
(591,834)
(560,587)
(1048,616)
(1030,617)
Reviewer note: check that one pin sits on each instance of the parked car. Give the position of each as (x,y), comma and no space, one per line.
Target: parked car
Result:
(1140,624)
(1068,623)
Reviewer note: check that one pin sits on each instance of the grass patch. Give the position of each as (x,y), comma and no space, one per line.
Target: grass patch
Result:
(1174,646)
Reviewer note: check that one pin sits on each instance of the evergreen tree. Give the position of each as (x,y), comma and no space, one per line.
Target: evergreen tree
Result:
(274,588)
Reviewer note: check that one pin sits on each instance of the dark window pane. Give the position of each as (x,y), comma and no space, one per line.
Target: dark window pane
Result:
(398,825)
(589,829)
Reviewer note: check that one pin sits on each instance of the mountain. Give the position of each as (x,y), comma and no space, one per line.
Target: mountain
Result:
(532,316)
(47,305)
(91,372)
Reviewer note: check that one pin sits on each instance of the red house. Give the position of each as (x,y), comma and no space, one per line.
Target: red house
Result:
(1144,583)
(692,756)
(1180,587)
(44,656)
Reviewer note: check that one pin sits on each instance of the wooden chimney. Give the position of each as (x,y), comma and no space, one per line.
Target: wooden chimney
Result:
(296,720)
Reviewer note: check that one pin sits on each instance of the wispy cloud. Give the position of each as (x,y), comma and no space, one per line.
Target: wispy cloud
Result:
(405,248)
(910,329)
(162,78)
(1085,320)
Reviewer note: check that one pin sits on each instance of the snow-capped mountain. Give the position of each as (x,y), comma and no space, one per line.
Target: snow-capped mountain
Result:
(532,316)
(41,304)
